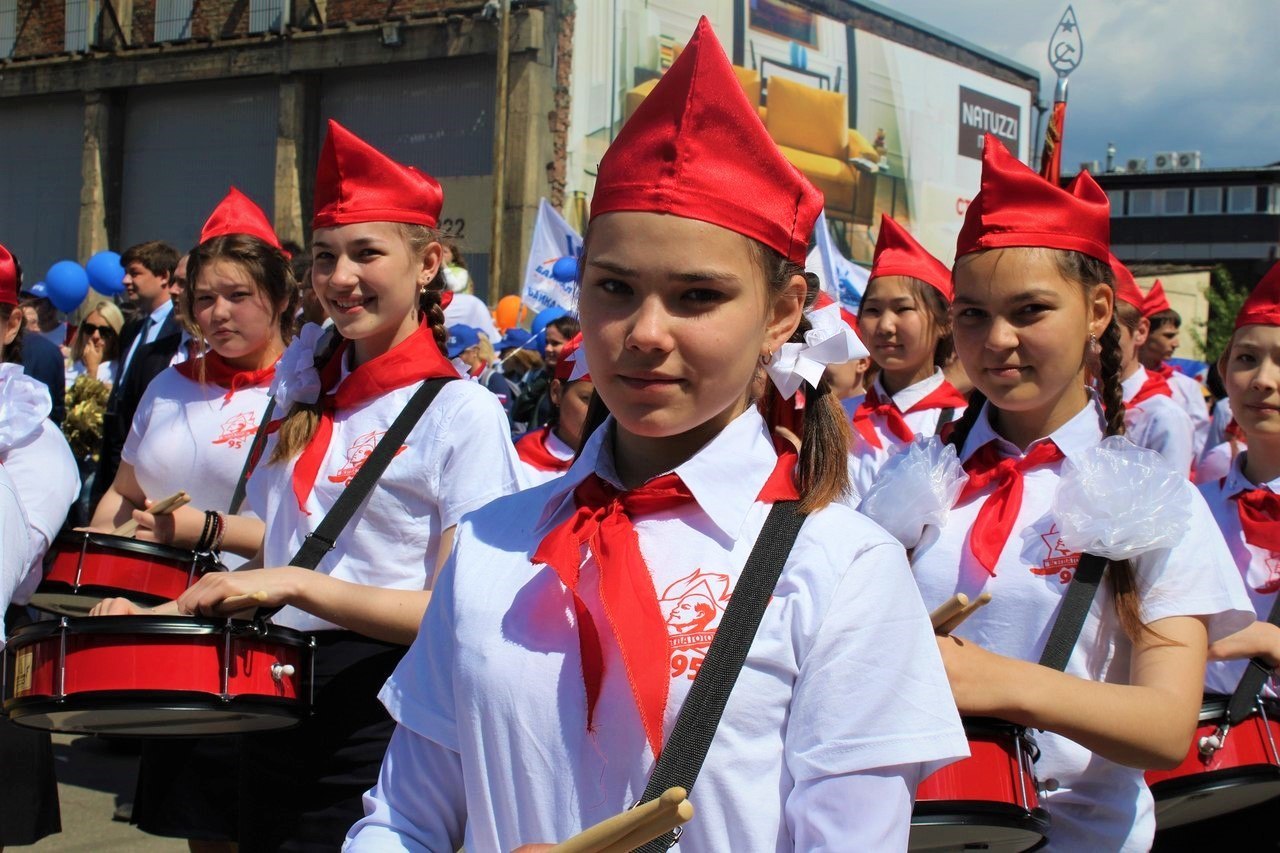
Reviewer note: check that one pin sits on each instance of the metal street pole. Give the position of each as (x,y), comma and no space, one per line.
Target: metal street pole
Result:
(500,151)
(1066,49)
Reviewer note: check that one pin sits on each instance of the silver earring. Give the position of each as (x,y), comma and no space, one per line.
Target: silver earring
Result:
(767,358)
(1095,348)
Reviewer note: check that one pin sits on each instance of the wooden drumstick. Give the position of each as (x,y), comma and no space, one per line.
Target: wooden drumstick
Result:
(954,622)
(248,598)
(160,507)
(634,827)
(948,609)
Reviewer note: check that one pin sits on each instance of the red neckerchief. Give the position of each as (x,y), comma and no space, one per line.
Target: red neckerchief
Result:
(1155,386)
(945,396)
(1233,431)
(532,450)
(413,360)
(995,519)
(224,375)
(602,519)
(1259,511)
(1165,370)
(475,372)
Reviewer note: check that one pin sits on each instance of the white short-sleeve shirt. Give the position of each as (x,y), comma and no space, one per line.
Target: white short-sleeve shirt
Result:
(1258,567)
(15,554)
(457,458)
(1189,394)
(1158,423)
(1098,804)
(471,311)
(1216,462)
(843,675)
(866,461)
(106,372)
(533,475)
(1218,422)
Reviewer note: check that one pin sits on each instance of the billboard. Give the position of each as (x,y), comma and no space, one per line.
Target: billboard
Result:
(879,127)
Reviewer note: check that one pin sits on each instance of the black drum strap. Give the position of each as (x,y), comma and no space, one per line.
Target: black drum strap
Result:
(1075,607)
(686,748)
(1245,697)
(251,461)
(322,540)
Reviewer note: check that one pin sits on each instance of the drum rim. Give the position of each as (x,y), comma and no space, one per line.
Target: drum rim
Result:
(1214,706)
(987,725)
(77,538)
(1213,780)
(90,592)
(179,701)
(980,813)
(176,626)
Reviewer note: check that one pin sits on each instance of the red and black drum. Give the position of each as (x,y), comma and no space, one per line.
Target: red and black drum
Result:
(83,568)
(988,801)
(157,675)
(1228,768)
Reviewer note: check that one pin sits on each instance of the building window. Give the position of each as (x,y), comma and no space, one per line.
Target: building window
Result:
(173,20)
(267,16)
(8,27)
(1175,202)
(1116,197)
(1142,202)
(1208,200)
(79,25)
(1242,199)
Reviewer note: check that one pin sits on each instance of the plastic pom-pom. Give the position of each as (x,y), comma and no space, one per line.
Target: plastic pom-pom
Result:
(916,488)
(24,404)
(1120,500)
(296,379)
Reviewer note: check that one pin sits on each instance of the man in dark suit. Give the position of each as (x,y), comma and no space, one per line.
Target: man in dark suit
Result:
(147,343)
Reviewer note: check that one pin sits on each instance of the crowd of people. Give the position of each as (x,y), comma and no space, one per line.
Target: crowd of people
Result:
(507,630)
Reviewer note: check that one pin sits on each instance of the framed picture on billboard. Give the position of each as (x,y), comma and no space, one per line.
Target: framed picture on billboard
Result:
(784,20)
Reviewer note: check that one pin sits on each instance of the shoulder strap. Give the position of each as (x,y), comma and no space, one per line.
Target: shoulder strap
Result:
(1245,697)
(1075,607)
(255,450)
(695,727)
(321,541)
(947,416)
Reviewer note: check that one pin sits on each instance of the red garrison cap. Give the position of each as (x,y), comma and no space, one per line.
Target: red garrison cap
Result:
(8,278)
(356,182)
(1262,308)
(1017,207)
(696,148)
(237,214)
(568,358)
(1155,301)
(1126,288)
(898,253)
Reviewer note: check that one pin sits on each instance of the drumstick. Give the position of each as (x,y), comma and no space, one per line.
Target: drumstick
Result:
(247,598)
(954,622)
(948,609)
(160,507)
(633,827)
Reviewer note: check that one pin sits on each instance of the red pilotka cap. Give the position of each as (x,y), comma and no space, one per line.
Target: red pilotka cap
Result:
(1262,308)
(237,214)
(356,182)
(1017,207)
(696,148)
(1126,288)
(1155,301)
(8,278)
(898,253)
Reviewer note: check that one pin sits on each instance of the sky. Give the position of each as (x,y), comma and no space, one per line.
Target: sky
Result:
(1156,75)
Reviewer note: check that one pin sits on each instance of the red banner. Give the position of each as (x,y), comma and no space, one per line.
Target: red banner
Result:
(1051,156)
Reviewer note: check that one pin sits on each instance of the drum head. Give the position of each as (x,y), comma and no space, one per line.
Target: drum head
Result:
(1194,798)
(64,600)
(976,825)
(154,714)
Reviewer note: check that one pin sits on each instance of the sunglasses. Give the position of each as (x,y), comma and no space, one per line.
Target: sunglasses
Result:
(90,328)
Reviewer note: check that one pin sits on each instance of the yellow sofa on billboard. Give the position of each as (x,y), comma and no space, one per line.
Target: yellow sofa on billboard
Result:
(810,127)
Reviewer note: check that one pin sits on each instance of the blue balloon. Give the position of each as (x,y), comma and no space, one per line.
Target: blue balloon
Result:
(106,273)
(545,316)
(68,285)
(565,270)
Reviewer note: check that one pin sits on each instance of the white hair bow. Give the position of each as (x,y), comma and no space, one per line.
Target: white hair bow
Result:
(829,341)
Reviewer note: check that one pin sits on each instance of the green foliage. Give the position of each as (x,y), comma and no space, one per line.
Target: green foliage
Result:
(1225,298)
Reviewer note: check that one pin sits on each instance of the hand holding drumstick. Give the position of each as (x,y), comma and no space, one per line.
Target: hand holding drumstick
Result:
(160,507)
(948,616)
(629,830)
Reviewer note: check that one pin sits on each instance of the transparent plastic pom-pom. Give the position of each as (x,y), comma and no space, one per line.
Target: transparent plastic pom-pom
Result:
(916,488)
(1120,500)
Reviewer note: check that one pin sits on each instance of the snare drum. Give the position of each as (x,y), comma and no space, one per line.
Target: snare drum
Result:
(83,568)
(1225,770)
(157,675)
(987,801)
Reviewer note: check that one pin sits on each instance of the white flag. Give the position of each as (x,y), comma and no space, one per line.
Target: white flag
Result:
(842,279)
(545,285)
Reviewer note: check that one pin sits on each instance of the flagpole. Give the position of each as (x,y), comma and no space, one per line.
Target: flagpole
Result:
(1066,49)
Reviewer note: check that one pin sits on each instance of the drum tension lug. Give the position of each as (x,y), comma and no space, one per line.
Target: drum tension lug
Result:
(1209,744)
(281,671)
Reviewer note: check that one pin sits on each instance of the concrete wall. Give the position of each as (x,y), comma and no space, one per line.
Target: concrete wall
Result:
(1186,292)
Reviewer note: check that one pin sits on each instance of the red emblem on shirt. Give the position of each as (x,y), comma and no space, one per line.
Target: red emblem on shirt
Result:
(1059,559)
(1272,583)
(359,453)
(239,429)
(693,606)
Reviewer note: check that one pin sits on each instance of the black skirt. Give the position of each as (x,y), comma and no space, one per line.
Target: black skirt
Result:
(28,788)
(301,789)
(189,788)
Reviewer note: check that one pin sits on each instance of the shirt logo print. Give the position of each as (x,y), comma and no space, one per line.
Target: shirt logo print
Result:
(358,454)
(693,607)
(1272,583)
(1059,559)
(237,430)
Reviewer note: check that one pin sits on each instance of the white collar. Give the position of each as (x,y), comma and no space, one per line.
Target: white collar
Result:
(725,476)
(912,394)
(555,446)
(159,315)
(1074,438)
(1237,481)
(1134,383)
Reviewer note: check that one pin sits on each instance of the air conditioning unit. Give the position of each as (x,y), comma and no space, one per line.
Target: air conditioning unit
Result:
(1090,166)
(1137,164)
(1189,160)
(1166,161)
